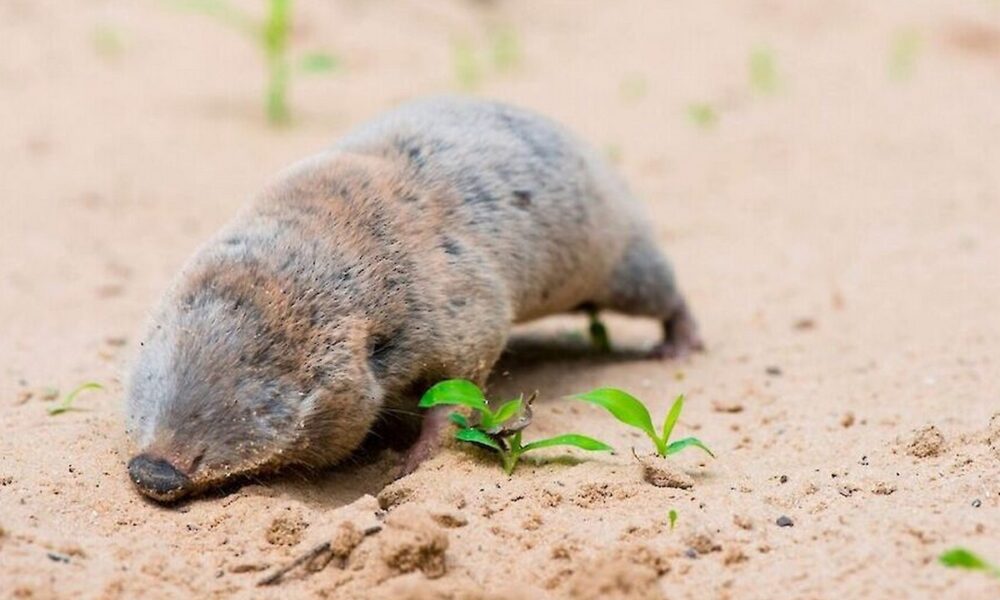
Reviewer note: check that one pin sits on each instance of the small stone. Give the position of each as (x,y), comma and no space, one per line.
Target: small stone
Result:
(783,479)
(773,371)
(977,503)
(847,420)
(691,553)
(784,521)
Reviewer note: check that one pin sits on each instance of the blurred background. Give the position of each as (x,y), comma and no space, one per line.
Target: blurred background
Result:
(824,174)
(820,137)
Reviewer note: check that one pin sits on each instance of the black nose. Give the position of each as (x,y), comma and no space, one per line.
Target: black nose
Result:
(157,478)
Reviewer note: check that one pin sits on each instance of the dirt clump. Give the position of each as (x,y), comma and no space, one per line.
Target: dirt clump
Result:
(615,579)
(414,587)
(993,434)
(926,442)
(662,472)
(286,530)
(344,542)
(412,541)
(393,495)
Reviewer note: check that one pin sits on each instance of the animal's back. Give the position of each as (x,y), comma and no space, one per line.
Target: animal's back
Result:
(553,218)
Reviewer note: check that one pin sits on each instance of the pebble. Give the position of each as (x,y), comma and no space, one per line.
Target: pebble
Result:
(784,521)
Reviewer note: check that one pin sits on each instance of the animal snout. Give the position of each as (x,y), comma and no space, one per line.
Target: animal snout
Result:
(157,478)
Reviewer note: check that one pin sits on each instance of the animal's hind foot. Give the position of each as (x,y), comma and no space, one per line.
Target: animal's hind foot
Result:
(680,336)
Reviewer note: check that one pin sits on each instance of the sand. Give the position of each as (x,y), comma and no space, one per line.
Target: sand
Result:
(835,233)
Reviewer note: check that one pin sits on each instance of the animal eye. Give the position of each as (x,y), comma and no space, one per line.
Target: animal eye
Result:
(380,349)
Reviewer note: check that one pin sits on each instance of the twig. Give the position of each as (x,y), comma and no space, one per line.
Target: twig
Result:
(315,560)
(275,577)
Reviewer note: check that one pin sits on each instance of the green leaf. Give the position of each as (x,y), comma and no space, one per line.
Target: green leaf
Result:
(318,62)
(506,411)
(459,392)
(963,559)
(623,407)
(672,515)
(679,445)
(459,419)
(470,434)
(672,416)
(960,558)
(67,402)
(569,439)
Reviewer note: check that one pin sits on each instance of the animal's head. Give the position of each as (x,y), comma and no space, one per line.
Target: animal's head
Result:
(279,342)
(244,370)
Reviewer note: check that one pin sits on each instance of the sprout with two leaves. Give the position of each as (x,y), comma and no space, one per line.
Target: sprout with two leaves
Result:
(499,430)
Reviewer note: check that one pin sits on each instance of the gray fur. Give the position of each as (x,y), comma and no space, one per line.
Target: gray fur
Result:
(400,256)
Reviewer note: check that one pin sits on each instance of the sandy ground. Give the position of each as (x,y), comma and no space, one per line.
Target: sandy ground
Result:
(836,237)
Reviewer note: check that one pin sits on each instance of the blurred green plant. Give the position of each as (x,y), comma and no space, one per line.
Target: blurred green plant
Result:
(633,88)
(599,338)
(906,46)
(703,115)
(66,404)
(505,48)
(471,64)
(468,71)
(961,558)
(672,515)
(107,41)
(763,71)
(271,35)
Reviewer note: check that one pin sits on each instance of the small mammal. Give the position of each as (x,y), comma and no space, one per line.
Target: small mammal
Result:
(361,276)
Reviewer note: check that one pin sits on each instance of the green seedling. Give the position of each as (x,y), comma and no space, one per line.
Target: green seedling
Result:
(630,411)
(763,71)
(961,558)
(108,42)
(272,36)
(498,430)
(471,64)
(903,56)
(672,515)
(468,71)
(599,338)
(702,115)
(505,49)
(66,404)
